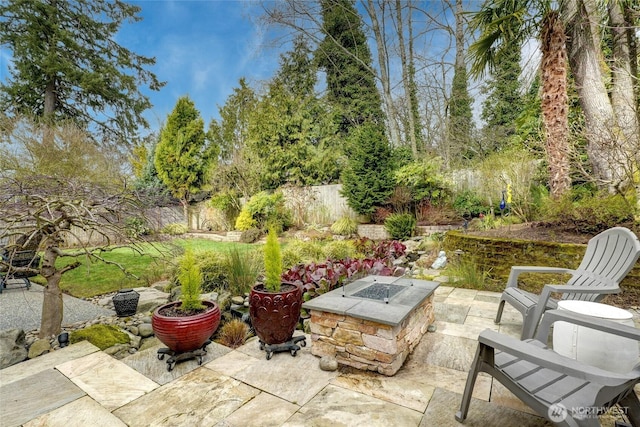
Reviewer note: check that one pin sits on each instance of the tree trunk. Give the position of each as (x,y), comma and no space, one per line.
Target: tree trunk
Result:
(52,307)
(623,95)
(383,60)
(406,80)
(185,211)
(603,136)
(555,103)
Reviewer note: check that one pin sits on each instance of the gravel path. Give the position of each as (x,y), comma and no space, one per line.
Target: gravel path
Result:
(22,308)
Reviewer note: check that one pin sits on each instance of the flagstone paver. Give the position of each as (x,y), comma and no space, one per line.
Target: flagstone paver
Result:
(201,397)
(264,410)
(399,389)
(283,374)
(79,413)
(46,361)
(341,407)
(25,399)
(444,405)
(147,363)
(107,380)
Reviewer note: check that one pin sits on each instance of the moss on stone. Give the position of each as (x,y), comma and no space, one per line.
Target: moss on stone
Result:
(102,336)
(497,255)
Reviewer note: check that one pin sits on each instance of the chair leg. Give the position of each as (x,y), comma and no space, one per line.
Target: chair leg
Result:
(461,415)
(632,405)
(500,309)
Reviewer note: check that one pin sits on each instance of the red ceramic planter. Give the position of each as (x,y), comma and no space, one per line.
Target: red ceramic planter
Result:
(182,334)
(274,316)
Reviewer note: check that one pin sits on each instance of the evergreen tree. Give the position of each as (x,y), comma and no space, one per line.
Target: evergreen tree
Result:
(345,57)
(503,103)
(460,117)
(230,134)
(67,65)
(183,157)
(367,181)
(291,132)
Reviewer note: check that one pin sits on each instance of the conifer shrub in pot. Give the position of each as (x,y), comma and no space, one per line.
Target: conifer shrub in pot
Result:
(186,325)
(274,306)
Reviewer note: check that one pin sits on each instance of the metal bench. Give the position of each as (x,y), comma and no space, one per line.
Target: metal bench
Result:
(18,265)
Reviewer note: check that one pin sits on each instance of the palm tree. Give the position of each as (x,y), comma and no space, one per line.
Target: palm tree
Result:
(506,24)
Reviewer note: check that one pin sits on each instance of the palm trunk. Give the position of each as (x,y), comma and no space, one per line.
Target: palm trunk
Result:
(555,106)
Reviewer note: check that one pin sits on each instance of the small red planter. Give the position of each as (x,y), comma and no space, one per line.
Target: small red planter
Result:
(274,316)
(188,333)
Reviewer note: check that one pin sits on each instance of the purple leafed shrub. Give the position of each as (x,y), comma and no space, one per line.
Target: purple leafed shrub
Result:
(318,278)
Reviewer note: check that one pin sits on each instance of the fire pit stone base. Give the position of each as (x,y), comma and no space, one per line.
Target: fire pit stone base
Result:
(366,344)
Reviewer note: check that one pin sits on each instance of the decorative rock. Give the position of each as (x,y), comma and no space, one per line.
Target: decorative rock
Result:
(161,285)
(328,363)
(12,347)
(237,300)
(150,299)
(133,330)
(39,347)
(440,262)
(135,341)
(149,343)
(432,328)
(246,304)
(145,330)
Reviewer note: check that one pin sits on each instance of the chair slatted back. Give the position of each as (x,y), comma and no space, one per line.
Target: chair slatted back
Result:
(608,259)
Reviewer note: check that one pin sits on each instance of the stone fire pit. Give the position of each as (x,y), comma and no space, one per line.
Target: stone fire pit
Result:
(373,323)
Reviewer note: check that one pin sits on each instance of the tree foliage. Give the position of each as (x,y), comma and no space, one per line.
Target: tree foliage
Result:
(367,180)
(503,103)
(346,59)
(183,157)
(291,131)
(68,66)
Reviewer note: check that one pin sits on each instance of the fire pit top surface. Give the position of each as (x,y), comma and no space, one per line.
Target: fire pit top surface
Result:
(382,299)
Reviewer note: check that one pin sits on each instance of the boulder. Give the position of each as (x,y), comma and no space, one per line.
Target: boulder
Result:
(145,330)
(328,363)
(12,347)
(150,299)
(39,347)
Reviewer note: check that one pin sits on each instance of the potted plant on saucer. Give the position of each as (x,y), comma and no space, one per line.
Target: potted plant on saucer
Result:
(274,306)
(186,325)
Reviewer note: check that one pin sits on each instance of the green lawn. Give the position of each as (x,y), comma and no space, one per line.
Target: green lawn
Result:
(97,278)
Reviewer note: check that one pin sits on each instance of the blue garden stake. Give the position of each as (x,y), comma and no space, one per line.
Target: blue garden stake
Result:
(503,202)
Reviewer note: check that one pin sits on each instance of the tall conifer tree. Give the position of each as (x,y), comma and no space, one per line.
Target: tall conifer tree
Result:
(68,65)
(345,57)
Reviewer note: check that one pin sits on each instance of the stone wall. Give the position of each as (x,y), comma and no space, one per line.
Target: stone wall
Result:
(373,231)
(497,255)
(368,345)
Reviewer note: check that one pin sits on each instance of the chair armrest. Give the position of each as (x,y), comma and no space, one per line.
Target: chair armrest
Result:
(549,359)
(517,270)
(597,323)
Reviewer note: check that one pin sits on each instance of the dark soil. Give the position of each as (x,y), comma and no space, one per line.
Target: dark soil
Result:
(175,311)
(536,231)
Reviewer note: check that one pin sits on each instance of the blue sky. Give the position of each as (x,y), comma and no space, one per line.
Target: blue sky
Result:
(202,48)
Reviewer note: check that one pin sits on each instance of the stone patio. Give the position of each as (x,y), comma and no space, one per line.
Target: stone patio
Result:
(82,386)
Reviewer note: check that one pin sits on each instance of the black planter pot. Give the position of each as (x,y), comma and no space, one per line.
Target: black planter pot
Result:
(125,302)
